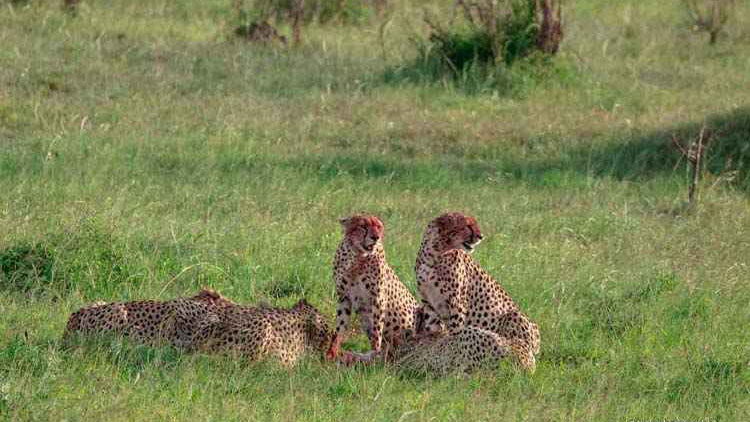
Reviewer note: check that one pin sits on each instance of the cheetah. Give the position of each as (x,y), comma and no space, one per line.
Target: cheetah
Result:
(182,322)
(457,292)
(366,284)
(209,322)
(465,350)
(258,332)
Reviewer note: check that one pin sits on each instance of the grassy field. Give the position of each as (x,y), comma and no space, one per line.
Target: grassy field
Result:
(144,154)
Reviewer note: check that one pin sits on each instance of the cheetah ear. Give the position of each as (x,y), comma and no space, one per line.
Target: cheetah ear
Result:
(301,303)
(444,221)
(345,221)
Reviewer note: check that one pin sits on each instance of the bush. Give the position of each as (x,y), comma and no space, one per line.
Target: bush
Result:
(460,49)
(494,47)
(516,80)
(495,32)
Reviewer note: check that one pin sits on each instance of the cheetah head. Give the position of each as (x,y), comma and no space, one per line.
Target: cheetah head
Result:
(455,230)
(211,297)
(317,331)
(363,232)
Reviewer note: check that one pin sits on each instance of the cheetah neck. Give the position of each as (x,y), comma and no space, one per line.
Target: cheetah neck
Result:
(427,255)
(348,259)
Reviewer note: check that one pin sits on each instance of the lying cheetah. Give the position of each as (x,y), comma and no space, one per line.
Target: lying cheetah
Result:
(183,322)
(210,322)
(367,284)
(464,350)
(457,292)
(262,331)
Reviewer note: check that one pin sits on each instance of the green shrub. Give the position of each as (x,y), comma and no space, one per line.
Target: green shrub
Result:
(474,75)
(483,49)
(519,31)
(514,28)
(458,50)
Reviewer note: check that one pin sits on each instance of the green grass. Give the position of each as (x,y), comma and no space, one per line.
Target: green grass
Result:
(144,154)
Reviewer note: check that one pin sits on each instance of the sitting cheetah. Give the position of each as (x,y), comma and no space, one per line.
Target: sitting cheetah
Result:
(457,292)
(212,323)
(366,283)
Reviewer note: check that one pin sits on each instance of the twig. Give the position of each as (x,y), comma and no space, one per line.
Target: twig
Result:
(694,155)
(695,160)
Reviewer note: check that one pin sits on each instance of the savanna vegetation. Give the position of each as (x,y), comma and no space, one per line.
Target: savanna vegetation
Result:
(147,151)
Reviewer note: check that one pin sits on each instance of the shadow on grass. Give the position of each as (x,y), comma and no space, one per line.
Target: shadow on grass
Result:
(618,156)
(641,158)
(653,154)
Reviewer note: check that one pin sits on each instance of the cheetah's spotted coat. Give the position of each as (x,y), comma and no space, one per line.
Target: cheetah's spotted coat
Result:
(366,284)
(457,292)
(210,322)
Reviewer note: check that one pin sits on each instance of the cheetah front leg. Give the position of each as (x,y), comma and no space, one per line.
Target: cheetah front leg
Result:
(343,318)
(375,331)
(374,321)
(456,314)
(450,306)
(427,322)
(447,312)
(366,357)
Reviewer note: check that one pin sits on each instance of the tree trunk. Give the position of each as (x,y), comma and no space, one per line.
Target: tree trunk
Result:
(550,30)
(380,7)
(298,10)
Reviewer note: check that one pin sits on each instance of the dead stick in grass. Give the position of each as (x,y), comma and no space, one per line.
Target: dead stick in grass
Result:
(694,155)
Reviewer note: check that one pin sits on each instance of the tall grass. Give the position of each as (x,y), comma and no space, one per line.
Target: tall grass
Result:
(146,153)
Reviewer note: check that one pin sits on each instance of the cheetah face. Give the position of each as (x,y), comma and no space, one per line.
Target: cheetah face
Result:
(317,331)
(363,232)
(458,231)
